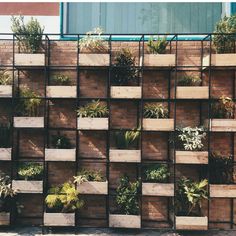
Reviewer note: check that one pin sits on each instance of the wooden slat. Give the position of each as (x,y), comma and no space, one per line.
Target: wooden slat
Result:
(93,187)
(61,91)
(59,219)
(60,154)
(119,155)
(223,190)
(223,125)
(158,124)
(29,122)
(5,91)
(126,91)
(124,221)
(191,223)
(5,154)
(159,60)
(192,92)
(92,123)
(93,59)
(191,157)
(25,186)
(158,189)
(4,218)
(28,59)
(227,59)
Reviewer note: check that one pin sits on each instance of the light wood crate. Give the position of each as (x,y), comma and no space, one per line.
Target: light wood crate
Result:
(92,123)
(4,218)
(192,92)
(124,221)
(158,189)
(223,190)
(5,154)
(126,92)
(60,154)
(5,91)
(59,219)
(29,122)
(158,124)
(28,186)
(29,59)
(93,187)
(94,59)
(222,125)
(191,223)
(159,60)
(123,155)
(227,59)
(191,157)
(61,92)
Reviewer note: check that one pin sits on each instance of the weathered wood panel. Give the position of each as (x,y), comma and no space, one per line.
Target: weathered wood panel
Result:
(28,59)
(192,92)
(227,59)
(5,91)
(124,221)
(93,59)
(158,189)
(93,123)
(126,91)
(119,155)
(159,60)
(4,218)
(28,186)
(60,154)
(29,122)
(191,157)
(93,187)
(158,124)
(191,223)
(61,92)
(59,219)
(223,190)
(5,154)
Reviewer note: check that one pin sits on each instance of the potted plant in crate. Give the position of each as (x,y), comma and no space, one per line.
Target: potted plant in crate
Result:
(91,182)
(125,76)
(5,84)
(30,175)
(93,116)
(155,118)
(61,203)
(93,49)
(155,181)
(189,198)
(126,147)
(5,142)
(61,149)
(28,110)
(128,205)
(60,87)
(190,143)
(157,56)
(29,39)
(189,87)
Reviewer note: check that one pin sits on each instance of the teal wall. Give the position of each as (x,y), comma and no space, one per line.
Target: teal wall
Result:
(143,17)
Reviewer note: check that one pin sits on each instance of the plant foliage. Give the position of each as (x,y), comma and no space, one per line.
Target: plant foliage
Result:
(88,175)
(5,78)
(155,110)
(60,142)
(60,80)
(30,171)
(158,45)
(189,80)
(158,173)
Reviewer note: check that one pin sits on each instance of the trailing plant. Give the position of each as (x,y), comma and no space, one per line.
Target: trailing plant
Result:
(158,173)
(189,80)
(60,141)
(221,168)
(93,109)
(189,196)
(30,171)
(225,30)
(89,175)
(127,196)
(60,80)
(224,108)
(63,198)
(5,135)
(155,110)
(124,72)
(5,78)
(191,138)
(29,35)
(157,45)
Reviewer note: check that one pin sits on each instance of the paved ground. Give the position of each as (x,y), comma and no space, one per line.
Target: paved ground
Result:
(107,232)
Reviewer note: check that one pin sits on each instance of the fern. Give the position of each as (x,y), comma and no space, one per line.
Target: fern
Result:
(157,45)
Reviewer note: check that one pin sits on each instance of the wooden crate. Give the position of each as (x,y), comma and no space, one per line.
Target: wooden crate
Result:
(191,157)
(93,187)
(29,122)
(124,221)
(92,123)
(191,223)
(158,124)
(158,189)
(61,92)
(59,219)
(60,154)
(28,186)
(159,60)
(29,59)
(192,92)
(227,59)
(94,59)
(223,190)
(4,218)
(5,154)
(5,91)
(223,125)
(119,155)
(126,92)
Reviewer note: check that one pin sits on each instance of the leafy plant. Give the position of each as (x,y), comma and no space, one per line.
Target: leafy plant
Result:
(88,175)
(60,141)
(64,198)
(60,80)
(221,168)
(158,173)
(127,196)
(154,110)
(189,196)
(5,78)
(224,108)
(93,109)
(5,135)
(124,71)
(29,35)
(189,80)
(30,171)
(158,45)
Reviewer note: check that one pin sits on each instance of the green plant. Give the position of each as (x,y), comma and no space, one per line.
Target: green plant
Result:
(221,168)
(189,196)
(189,80)
(158,173)
(225,30)
(154,110)
(5,78)
(29,35)
(224,108)
(60,141)
(127,196)
(93,109)
(191,138)
(124,71)
(157,45)
(64,198)
(30,171)
(60,80)
(5,135)
(88,175)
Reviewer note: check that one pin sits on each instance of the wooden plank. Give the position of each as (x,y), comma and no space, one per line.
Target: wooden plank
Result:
(191,157)
(223,125)
(226,59)
(92,123)
(29,122)
(125,221)
(119,155)
(28,186)
(158,189)
(223,190)
(5,91)
(93,187)
(94,59)
(159,60)
(126,91)
(158,124)
(60,154)
(61,91)
(191,223)
(4,218)
(59,219)
(5,154)
(192,92)
(28,59)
